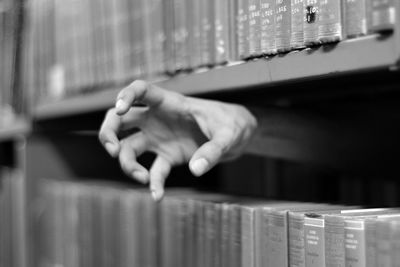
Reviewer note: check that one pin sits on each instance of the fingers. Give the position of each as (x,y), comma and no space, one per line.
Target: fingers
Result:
(158,173)
(138,92)
(131,148)
(113,123)
(210,153)
(108,132)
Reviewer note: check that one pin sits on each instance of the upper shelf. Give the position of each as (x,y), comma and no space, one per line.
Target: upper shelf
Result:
(355,55)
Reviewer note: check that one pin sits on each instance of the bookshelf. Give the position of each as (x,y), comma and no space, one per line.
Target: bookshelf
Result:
(343,134)
(328,61)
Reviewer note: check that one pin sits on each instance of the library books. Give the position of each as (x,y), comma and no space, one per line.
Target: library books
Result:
(107,224)
(11,97)
(81,46)
(12,218)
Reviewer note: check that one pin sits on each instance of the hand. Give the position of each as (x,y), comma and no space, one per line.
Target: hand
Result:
(178,129)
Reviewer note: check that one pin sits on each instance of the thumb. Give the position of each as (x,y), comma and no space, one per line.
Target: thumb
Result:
(208,155)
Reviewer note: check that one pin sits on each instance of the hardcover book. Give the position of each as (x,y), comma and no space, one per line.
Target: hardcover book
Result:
(268,22)
(243,29)
(330,27)
(283,25)
(311,22)
(254,17)
(356,18)
(298,17)
(383,15)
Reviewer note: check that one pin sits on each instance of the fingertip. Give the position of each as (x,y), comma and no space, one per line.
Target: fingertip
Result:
(199,166)
(141,176)
(112,149)
(121,106)
(157,194)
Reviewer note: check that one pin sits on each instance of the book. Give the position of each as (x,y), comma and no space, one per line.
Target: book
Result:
(383,15)
(296,232)
(194,25)
(298,17)
(268,25)
(283,25)
(180,35)
(355,239)
(254,20)
(355,18)
(243,29)
(207,33)
(311,22)
(222,33)
(330,26)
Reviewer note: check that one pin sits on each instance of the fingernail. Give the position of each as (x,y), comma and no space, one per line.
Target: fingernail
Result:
(120,105)
(156,195)
(140,176)
(110,147)
(199,166)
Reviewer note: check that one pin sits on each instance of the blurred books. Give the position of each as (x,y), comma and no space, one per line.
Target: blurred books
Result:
(78,46)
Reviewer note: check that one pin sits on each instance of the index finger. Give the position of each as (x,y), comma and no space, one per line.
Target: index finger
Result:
(138,92)
(108,132)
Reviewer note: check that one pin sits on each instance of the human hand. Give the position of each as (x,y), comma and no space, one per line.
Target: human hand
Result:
(178,129)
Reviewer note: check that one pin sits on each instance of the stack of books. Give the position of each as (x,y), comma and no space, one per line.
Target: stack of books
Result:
(81,45)
(105,224)
(12,220)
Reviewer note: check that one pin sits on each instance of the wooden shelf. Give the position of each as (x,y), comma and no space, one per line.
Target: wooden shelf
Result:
(352,56)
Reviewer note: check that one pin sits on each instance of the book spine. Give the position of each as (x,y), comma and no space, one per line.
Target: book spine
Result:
(283,25)
(356,18)
(180,35)
(355,249)
(254,17)
(330,21)
(169,48)
(233,33)
(154,37)
(207,33)
(383,248)
(314,241)
(383,15)
(258,237)
(194,21)
(243,29)
(189,236)
(311,22)
(298,17)
(247,221)
(296,240)
(334,241)
(200,233)
(268,22)
(277,235)
(221,31)
(225,213)
(370,241)
(395,243)
(235,242)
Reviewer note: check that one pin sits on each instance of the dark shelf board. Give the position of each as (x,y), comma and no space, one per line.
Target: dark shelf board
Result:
(352,56)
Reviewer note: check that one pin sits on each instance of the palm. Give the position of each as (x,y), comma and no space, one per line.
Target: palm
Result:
(172,134)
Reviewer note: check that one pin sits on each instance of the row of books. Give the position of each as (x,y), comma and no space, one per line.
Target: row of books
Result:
(105,224)
(12,220)
(10,15)
(78,45)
